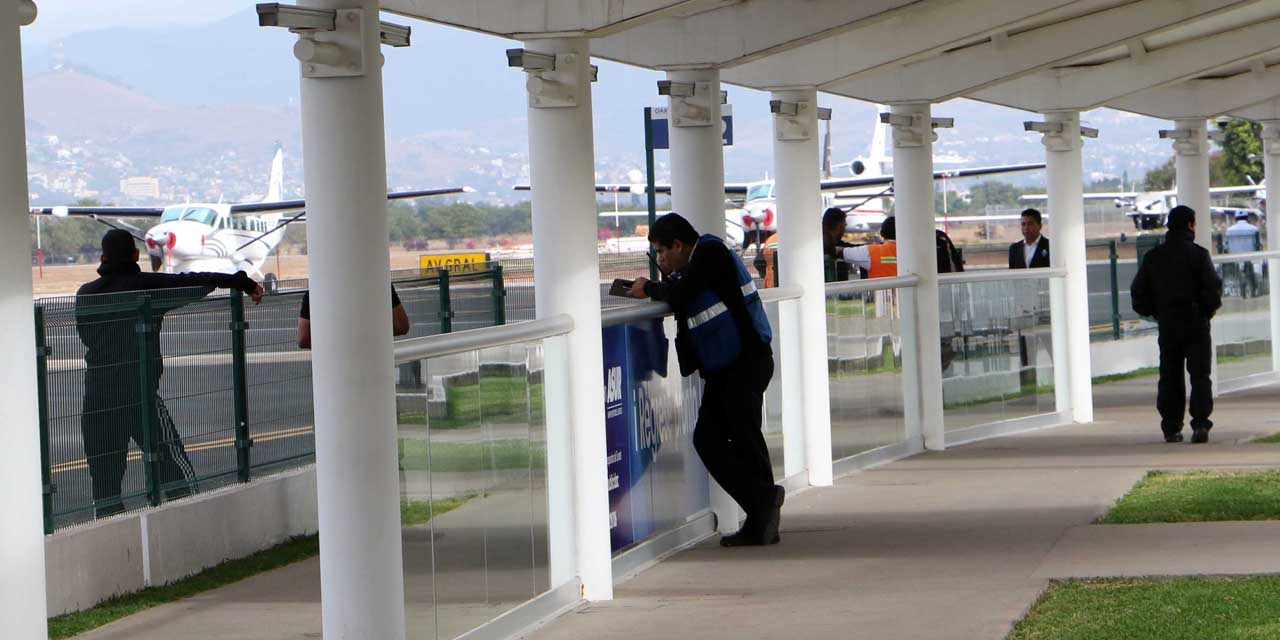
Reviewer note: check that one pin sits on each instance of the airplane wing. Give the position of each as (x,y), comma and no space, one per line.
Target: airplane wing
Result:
(114,212)
(847,184)
(1097,195)
(1244,188)
(729,187)
(285,206)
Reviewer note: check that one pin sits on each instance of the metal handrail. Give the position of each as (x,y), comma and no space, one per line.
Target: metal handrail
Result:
(1252,255)
(447,344)
(1001,275)
(651,309)
(872,284)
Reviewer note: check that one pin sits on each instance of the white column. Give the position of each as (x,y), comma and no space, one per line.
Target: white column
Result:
(697,193)
(361,575)
(795,163)
(1070,311)
(913,206)
(1271,167)
(22,590)
(697,152)
(567,280)
(1191,170)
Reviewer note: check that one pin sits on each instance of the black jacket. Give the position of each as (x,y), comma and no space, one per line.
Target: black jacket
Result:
(1177,283)
(710,267)
(1018,256)
(107,323)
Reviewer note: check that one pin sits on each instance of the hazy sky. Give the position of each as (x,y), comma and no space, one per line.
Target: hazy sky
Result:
(58,18)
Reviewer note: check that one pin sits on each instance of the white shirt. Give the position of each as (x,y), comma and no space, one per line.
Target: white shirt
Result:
(1029,250)
(860,256)
(1242,237)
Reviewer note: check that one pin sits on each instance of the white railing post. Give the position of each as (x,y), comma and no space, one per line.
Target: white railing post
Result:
(804,345)
(1271,167)
(22,589)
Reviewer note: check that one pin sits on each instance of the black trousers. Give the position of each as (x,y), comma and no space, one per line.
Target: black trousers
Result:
(728,437)
(110,419)
(1190,348)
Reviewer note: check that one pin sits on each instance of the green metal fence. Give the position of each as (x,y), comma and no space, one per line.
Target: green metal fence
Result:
(148,397)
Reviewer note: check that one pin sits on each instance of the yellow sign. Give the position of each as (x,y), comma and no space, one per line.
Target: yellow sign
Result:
(455,262)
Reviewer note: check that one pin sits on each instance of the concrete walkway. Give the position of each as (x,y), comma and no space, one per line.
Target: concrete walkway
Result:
(943,545)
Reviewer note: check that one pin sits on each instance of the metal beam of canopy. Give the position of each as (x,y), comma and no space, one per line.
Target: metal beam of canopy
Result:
(1008,56)
(1085,87)
(909,34)
(1205,97)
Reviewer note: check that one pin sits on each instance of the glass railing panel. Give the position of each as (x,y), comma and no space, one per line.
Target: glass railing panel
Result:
(864,355)
(1242,327)
(996,352)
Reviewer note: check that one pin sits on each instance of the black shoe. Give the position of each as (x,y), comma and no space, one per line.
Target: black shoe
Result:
(771,517)
(1199,436)
(1173,437)
(743,538)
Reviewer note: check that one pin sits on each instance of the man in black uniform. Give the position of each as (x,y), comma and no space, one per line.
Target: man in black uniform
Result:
(834,226)
(723,333)
(112,407)
(1177,286)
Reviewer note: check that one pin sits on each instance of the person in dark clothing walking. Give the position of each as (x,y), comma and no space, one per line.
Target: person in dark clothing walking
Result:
(1177,286)
(107,325)
(722,332)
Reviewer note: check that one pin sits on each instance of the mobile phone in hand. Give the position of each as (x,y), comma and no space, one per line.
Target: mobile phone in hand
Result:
(621,287)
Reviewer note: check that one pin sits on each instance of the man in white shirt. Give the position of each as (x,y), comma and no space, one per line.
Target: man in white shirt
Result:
(1242,237)
(1033,250)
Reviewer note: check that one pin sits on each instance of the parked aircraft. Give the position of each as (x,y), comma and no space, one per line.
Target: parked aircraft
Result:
(863,195)
(1148,209)
(218,237)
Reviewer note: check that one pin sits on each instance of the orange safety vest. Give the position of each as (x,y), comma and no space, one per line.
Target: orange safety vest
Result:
(884,260)
(770,251)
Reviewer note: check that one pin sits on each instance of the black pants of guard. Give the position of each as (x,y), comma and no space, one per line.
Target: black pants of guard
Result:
(1188,348)
(728,437)
(110,419)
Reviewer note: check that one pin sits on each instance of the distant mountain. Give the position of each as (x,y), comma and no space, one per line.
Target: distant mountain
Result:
(452,107)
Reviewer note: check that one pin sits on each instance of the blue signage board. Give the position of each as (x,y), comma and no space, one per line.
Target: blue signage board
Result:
(634,354)
(662,136)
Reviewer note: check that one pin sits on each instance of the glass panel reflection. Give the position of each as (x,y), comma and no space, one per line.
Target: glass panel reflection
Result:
(997,352)
(1242,328)
(864,351)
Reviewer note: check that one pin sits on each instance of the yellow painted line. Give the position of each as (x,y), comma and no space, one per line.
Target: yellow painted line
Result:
(135,455)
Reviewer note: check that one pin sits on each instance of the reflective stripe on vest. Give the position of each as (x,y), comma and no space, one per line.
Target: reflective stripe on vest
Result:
(706,316)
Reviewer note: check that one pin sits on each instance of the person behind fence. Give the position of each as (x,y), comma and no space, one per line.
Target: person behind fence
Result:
(723,333)
(400,324)
(1032,251)
(1243,237)
(108,327)
(876,260)
(1177,285)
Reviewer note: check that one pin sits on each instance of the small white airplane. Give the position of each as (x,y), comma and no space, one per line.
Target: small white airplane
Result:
(863,195)
(221,237)
(1148,209)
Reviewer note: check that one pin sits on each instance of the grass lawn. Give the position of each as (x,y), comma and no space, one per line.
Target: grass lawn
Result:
(1236,608)
(470,456)
(286,553)
(1200,496)
(1271,439)
(495,399)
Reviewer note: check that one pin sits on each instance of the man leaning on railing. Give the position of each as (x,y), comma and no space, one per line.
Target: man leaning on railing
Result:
(112,412)
(722,331)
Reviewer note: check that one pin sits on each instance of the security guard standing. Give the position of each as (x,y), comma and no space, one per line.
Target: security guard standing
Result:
(1177,286)
(723,333)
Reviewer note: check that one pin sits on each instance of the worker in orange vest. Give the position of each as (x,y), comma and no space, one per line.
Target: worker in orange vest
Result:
(769,255)
(878,260)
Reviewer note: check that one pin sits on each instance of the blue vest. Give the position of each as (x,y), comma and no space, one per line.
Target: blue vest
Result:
(716,339)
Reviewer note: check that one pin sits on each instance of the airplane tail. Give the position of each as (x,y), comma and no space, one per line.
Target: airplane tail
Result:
(275,184)
(878,154)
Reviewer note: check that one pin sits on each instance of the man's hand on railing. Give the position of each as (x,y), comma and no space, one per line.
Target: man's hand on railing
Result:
(637,288)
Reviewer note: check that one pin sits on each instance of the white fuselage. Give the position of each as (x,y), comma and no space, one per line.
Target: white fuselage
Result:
(205,237)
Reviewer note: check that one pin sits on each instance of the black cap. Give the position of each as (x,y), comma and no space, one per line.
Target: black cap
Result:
(1180,218)
(117,246)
